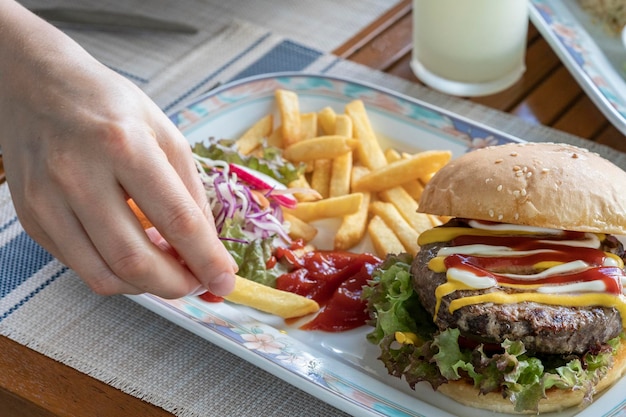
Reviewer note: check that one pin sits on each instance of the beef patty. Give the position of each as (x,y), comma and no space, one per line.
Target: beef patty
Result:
(542,328)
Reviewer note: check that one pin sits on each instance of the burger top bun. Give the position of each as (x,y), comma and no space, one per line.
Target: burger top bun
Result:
(549,185)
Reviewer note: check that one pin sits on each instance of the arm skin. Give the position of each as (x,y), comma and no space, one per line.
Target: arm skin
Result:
(78,140)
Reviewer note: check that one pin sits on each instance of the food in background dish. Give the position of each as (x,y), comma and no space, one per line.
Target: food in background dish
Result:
(611,13)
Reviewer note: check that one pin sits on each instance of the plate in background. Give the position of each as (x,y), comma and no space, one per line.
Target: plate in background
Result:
(595,57)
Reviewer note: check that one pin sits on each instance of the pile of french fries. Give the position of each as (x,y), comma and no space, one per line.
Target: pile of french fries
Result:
(373,190)
(348,176)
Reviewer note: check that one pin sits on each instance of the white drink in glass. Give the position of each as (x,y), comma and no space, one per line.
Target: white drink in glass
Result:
(469,47)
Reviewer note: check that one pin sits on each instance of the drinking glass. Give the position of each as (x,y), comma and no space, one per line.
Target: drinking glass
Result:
(469,47)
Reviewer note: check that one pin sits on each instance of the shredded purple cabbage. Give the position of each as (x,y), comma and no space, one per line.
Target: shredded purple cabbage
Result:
(231,199)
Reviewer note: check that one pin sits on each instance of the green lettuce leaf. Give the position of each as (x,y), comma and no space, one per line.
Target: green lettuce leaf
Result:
(392,303)
(251,255)
(270,163)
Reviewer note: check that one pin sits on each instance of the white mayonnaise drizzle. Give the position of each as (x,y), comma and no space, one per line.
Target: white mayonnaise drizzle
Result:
(472,280)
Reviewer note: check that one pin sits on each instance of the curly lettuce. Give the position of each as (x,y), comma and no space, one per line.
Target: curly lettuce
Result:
(271,162)
(251,256)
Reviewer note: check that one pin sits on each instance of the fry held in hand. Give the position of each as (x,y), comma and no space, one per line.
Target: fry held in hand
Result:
(270,300)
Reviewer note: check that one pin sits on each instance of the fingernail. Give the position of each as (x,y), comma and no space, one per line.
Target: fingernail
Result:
(233,263)
(223,284)
(198,291)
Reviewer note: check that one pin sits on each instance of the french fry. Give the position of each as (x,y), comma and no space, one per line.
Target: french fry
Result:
(299,229)
(341,170)
(435,220)
(327,208)
(407,207)
(353,226)
(320,168)
(413,187)
(396,222)
(400,171)
(383,238)
(424,178)
(320,177)
(276,138)
(321,147)
(369,151)
(289,109)
(253,137)
(326,120)
(270,300)
(308,126)
(145,223)
(303,184)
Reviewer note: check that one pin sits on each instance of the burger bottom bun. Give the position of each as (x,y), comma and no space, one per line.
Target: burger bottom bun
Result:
(557,399)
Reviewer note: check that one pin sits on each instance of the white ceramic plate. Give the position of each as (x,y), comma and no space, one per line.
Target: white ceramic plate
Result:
(595,57)
(339,368)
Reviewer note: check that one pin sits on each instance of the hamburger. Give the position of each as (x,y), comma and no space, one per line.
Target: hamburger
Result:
(516,304)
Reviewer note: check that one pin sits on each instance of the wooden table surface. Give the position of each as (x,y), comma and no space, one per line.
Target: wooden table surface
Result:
(34,385)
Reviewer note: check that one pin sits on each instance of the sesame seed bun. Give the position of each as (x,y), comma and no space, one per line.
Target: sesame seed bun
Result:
(555,400)
(549,185)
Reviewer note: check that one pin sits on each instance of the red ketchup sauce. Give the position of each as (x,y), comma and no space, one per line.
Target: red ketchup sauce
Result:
(333,279)
(210,297)
(556,251)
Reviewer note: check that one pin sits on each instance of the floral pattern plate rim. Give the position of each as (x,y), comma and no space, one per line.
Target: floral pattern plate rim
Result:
(339,368)
(595,58)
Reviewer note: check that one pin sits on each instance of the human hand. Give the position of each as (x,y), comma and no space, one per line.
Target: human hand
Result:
(78,141)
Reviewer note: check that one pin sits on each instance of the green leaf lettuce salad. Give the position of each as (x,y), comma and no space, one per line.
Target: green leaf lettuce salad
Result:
(249,221)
